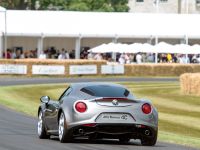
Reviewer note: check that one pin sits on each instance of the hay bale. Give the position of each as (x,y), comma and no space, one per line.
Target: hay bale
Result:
(181,69)
(163,69)
(138,70)
(196,68)
(190,83)
(160,69)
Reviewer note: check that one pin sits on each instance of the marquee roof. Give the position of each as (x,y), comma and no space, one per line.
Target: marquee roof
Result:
(161,47)
(99,24)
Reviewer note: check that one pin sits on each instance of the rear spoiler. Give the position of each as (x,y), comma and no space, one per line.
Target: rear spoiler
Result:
(114,98)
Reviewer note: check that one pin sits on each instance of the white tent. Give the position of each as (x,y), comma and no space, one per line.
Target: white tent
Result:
(182,48)
(195,49)
(134,48)
(80,25)
(100,24)
(99,49)
(163,47)
(147,48)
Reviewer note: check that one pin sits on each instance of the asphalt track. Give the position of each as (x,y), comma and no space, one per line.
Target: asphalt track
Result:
(18,131)
(23,81)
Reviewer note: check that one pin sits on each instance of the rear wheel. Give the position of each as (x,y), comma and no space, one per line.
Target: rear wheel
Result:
(41,127)
(151,141)
(64,134)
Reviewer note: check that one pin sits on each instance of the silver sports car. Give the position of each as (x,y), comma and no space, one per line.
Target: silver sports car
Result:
(98,110)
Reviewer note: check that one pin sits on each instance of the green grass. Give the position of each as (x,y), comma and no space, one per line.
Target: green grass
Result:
(179,115)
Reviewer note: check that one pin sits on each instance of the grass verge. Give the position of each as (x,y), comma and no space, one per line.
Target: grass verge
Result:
(179,115)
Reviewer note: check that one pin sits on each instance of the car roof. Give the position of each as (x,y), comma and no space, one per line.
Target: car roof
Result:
(85,84)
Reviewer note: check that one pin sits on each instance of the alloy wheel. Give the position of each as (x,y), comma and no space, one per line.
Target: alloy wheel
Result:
(40,122)
(61,126)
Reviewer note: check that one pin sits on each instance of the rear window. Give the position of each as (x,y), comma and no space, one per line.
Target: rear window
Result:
(105,91)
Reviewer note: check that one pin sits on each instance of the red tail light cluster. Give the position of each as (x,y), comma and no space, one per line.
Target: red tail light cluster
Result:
(90,125)
(146,108)
(81,107)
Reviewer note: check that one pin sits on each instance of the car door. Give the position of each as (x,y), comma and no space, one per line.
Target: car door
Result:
(51,111)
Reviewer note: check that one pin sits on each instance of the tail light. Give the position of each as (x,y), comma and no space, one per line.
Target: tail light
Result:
(146,108)
(81,107)
(90,125)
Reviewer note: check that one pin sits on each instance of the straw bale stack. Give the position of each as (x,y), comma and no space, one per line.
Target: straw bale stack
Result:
(160,69)
(190,83)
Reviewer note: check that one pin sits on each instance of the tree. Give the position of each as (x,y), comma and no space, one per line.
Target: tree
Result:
(17,4)
(70,5)
(98,5)
(53,4)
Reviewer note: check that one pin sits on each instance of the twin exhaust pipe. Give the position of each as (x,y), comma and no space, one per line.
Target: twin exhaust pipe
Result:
(81,131)
(147,132)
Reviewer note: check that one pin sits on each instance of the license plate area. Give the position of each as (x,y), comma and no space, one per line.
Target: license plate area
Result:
(115,118)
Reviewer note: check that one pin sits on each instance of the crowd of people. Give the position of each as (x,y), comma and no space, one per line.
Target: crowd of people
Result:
(50,53)
(124,58)
(161,58)
(19,54)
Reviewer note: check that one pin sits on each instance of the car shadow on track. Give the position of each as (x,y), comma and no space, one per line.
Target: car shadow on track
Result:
(105,142)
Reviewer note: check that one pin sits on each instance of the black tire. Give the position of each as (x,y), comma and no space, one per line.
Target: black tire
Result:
(124,140)
(42,133)
(149,141)
(64,134)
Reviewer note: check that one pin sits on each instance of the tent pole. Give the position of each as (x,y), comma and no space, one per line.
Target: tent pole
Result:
(40,46)
(187,6)
(5,35)
(78,47)
(1,46)
(156,54)
(186,42)
(114,40)
(157,6)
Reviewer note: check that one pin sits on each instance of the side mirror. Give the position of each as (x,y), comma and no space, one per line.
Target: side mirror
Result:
(45,99)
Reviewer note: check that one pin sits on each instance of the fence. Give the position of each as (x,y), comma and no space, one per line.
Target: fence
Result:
(34,67)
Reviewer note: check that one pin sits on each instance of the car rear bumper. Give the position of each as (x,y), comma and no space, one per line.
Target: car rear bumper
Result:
(114,130)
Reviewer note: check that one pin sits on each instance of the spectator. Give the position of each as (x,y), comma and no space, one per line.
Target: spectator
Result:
(72,54)
(169,58)
(122,59)
(174,58)
(98,56)
(183,59)
(67,55)
(19,54)
(127,59)
(8,54)
(164,58)
(42,55)
(90,56)
(13,54)
(198,58)
(150,58)
(138,58)
(63,55)
(131,57)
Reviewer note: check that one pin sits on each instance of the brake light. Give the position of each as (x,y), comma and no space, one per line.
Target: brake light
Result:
(81,107)
(90,125)
(146,108)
